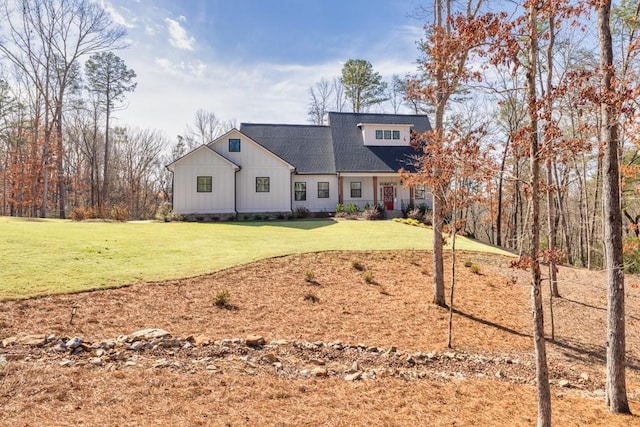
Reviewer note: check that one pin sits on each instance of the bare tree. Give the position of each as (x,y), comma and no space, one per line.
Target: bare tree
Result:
(319,101)
(206,127)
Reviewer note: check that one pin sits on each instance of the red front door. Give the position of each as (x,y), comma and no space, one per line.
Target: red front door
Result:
(387,196)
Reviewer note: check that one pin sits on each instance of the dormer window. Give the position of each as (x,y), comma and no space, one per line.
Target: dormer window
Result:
(378,134)
(396,134)
(386,134)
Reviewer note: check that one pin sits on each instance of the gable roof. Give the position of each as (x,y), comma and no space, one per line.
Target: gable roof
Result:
(307,147)
(351,155)
(208,149)
(237,133)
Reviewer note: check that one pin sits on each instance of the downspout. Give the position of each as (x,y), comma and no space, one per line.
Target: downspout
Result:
(291,191)
(235,192)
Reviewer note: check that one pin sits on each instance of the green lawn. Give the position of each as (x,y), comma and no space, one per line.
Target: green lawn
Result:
(55,256)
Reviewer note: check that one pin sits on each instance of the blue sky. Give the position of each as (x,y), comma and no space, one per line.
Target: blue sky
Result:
(252,60)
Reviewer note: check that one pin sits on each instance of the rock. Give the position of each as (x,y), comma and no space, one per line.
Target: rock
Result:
(319,372)
(96,361)
(278,366)
(73,343)
(270,357)
(200,340)
(499,374)
(60,347)
(353,377)
(355,366)
(304,372)
(279,342)
(161,363)
(136,346)
(212,368)
(149,334)
(100,352)
(317,362)
(254,341)
(130,363)
(33,340)
(564,383)
(584,376)
(66,362)
(187,345)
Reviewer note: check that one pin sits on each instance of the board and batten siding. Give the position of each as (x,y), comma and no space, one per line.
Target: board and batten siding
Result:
(313,203)
(256,161)
(203,162)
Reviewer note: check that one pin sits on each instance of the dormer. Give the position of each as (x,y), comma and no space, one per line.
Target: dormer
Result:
(396,135)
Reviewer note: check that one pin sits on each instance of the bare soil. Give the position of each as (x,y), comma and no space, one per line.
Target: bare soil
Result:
(338,350)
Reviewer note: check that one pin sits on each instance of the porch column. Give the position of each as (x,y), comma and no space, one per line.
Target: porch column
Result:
(411,194)
(375,191)
(340,190)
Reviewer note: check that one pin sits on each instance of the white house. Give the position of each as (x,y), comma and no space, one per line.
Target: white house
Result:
(278,168)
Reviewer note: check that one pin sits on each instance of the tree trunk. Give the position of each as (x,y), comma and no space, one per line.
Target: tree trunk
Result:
(542,372)
(616,392)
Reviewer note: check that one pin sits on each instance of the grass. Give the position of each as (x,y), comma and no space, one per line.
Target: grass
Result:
(46,256)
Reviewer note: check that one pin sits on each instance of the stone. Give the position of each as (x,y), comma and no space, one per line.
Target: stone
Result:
(73,343)
(96,361)
(212,368)
(318,362)
(564,383)
(149,334)
(355,366)
(353,377)
(32,340)
(499,374)
(270,357)
(200,340)
(279,342)
(161,363)
(319,372)
(584,376)
(100,352)
(130,363)
(60,347)
(66,362)
(136,346)
(254,340)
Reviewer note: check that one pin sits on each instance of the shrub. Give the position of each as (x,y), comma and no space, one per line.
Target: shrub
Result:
(311,297)
(352,209)
(164,212)
(367,276)
(373,213)
(474,268)
(302,212)
(309,276)
(81,213)
(468,264)
(222,298)
(119,213)
(357,265)
(339,208)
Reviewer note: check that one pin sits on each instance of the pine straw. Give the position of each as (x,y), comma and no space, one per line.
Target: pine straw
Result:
(493,318)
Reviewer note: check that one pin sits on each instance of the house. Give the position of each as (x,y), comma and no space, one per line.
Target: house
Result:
(279,168)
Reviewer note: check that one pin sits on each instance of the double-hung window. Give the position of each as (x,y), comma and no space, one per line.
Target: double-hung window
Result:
(323,190)
(420,191)
(300,189)
(234,145)
(356,189)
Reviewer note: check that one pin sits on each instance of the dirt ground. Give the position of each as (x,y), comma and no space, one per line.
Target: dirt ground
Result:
(337,350)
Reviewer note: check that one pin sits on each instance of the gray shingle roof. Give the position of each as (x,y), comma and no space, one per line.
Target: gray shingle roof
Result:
(339,147)
(351,155)
(307,147)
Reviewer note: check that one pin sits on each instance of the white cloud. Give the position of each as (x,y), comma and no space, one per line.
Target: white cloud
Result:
(178,36)
(117,17)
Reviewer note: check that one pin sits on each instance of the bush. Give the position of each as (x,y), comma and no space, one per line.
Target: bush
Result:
(222,298)
(302,212)
(357,265)
(373,213)
(351,209)
(119,213)
(367,276)
(468,264)
(164,212)
(311,297)
(81,213)
(309,276)
(631,255)
(339,208)
(474,268)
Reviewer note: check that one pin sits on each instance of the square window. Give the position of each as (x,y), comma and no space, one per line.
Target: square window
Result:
(387,134)
(262,184)
(356,189)
(300,189)
(420,191)
(396,134)
(378,134)
(204,184)
(323,190)
(234,145)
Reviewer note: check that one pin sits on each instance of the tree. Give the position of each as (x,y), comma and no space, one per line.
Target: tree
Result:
(363,86)
(46,40)
(616,393)
(109,78)
(319,101)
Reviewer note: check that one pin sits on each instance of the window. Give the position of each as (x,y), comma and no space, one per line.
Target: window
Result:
(356,189)
(419,191)
(204,184)
(387,134)
(396,134)
(323,190)
(300,189)
(262,184)
(378,134)
(234,145)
